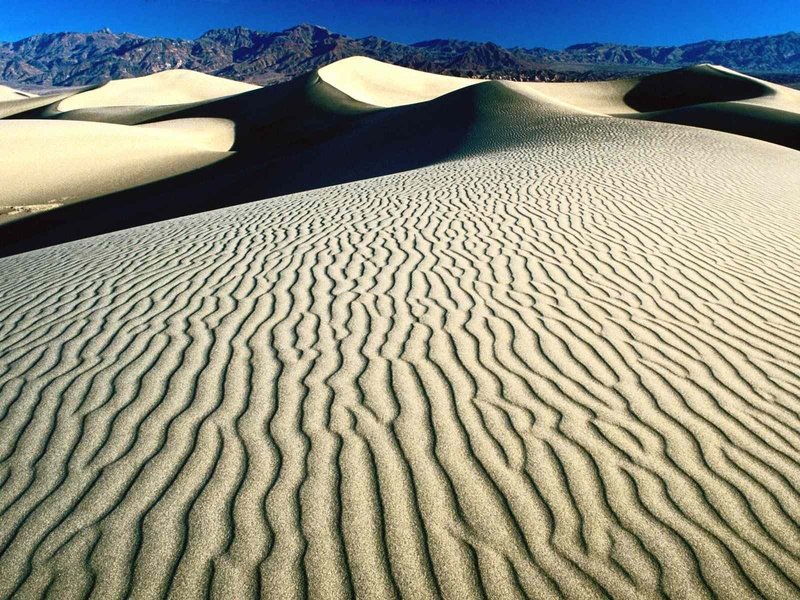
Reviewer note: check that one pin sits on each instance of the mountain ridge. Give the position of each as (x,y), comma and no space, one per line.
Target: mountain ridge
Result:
(244,54)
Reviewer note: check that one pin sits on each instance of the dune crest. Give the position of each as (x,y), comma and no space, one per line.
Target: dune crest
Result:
(164,88)
(374,82)
(497,344)
(68,161)
(7,93)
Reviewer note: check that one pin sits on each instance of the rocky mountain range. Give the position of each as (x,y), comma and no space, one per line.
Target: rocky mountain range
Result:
(66,59)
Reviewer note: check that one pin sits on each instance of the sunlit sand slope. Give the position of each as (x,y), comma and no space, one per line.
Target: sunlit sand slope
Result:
(7,93)
(561,364)
(167,87)
(705,96)
(380,84)
(48,164)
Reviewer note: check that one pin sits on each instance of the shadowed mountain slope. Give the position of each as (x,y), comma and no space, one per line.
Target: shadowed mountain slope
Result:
(239,53)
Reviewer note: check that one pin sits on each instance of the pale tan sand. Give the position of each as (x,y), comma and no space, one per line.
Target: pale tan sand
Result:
(7,93)
(215,135)
(380,84)
(167,87)
(11,106)
(707,96)
(49,164)
(597,97)
(563,361)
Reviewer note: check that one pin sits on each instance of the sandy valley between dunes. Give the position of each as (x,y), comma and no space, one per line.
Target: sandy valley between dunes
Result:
(561,360)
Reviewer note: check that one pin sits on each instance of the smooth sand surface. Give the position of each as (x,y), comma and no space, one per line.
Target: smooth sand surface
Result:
(562,359)
(13,106)
(598,97)
(167,87)
(380,84)
(49,164)
(7,93)
(54,158)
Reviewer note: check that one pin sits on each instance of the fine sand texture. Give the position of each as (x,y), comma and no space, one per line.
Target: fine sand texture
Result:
(545,353)
(354,119)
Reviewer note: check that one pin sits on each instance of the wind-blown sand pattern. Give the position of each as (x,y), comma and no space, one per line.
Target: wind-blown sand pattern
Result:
(563,361)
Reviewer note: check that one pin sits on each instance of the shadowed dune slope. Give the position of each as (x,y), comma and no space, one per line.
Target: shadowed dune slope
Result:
(717,98)
(309,133)
(693,85)
(304,135)
(563,362)
(49,164)
(751,120)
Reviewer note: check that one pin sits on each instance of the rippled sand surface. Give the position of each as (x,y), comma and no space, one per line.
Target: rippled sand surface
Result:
(562,362)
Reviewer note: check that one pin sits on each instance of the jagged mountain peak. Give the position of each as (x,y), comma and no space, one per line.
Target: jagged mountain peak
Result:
(72,58)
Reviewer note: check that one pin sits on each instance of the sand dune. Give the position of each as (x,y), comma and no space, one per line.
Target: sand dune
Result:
(304,135)
(333,125)
(373,82)
(164,88)
(58,160)
(705,96)
(717,98)
(694,85)
(310,133)
(7,93)
(52,164)
(522,349)
(31,106)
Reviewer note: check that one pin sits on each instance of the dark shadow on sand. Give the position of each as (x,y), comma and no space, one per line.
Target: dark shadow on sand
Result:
(298,136)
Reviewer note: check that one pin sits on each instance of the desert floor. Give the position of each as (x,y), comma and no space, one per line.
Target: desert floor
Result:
(496,344)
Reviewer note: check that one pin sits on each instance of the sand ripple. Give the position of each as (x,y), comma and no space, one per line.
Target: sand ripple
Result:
(567,368)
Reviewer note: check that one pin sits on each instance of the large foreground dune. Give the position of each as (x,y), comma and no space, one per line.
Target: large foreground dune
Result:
(499,345)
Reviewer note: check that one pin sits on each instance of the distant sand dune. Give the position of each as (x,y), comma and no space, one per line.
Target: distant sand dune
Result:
(522,349)
(167,87)
(705,96)
(717,98)
(351,114)
(30,107)
(57,160)
(373,82)
(7,93)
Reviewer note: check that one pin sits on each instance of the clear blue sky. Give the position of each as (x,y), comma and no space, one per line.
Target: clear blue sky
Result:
(549,23)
